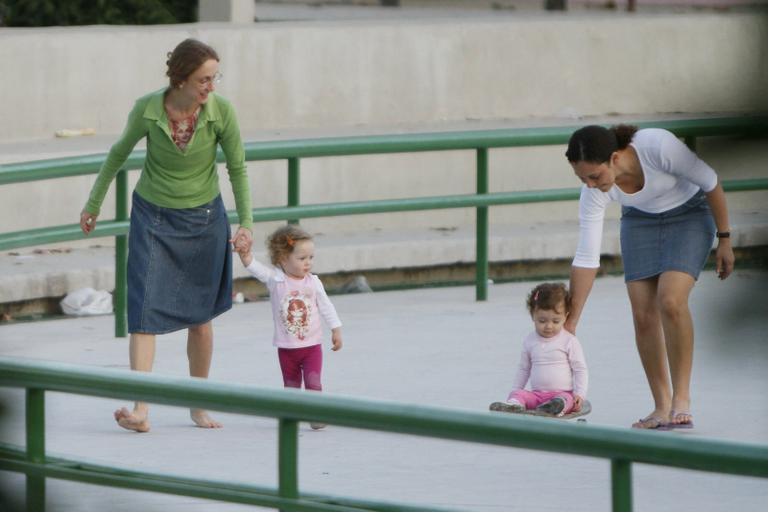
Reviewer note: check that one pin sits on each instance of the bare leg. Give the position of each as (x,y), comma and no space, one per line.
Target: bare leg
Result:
(649,338)
(200,352)
(674,290)
(142,355)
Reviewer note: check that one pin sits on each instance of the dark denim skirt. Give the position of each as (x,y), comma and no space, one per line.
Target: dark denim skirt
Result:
(179,266)
(679,239)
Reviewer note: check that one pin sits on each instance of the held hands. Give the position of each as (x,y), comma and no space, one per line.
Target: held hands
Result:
(87,222)
(336,339)
(725,258)
(578,401)
(241,244)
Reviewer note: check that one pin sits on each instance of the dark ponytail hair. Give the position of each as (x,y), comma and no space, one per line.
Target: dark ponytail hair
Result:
(595,144)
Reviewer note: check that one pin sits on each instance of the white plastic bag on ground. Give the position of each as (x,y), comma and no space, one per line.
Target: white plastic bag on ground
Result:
(87,301)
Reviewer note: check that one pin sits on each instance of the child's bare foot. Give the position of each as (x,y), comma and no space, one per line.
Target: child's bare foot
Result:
(131,421)
(202,420)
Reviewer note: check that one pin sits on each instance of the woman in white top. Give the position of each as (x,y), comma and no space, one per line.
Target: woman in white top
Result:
(672,208)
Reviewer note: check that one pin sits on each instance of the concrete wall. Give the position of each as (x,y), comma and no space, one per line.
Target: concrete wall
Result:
(289,79)
(283,75)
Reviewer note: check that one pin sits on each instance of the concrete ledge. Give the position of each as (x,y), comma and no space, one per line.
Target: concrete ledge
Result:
(35,274)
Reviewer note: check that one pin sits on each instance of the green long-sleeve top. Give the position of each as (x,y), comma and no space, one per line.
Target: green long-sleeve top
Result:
(173,178)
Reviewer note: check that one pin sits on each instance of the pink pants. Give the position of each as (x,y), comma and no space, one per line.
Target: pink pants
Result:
(299,364)
(533,399)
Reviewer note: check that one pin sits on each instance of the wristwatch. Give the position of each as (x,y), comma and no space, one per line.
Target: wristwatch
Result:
(723,234)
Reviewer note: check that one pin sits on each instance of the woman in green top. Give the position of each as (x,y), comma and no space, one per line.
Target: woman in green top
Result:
(179,256)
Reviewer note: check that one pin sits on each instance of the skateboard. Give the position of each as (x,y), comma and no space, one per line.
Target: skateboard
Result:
(586,408)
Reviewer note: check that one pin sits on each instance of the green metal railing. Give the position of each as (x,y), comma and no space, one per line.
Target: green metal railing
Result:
(622,447)
(288,407)
(294,150)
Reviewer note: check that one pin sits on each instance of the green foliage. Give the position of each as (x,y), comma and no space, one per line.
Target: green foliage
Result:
(45,13)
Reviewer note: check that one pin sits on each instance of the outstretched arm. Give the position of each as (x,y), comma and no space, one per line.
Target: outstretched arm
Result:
(592,205)
(582,279)
(257,269)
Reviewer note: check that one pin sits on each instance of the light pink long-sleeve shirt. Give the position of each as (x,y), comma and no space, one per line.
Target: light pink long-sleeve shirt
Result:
(297,305)
(552,364)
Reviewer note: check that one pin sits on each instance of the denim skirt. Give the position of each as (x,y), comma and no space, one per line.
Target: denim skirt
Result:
(679,239)
(179,266)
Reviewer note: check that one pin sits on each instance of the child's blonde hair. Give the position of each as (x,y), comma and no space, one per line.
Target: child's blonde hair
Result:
(549,296)
(281,242)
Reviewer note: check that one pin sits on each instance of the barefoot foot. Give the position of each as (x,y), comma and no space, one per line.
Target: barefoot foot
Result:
(202,420)
(132,420)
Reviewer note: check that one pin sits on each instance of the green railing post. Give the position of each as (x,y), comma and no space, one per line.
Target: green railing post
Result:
(481,231)
(294,181)
(621,485)
(35,410)
(690,141)
(121,257)
(288,458)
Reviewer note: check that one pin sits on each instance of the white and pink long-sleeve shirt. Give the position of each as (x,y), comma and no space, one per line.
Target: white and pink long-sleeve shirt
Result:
(552,364)
(297,306)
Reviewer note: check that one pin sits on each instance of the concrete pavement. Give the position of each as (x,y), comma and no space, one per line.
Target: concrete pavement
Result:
(429,346)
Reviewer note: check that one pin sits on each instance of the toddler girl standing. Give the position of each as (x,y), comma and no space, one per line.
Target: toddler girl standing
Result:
(298,301)
(552,359)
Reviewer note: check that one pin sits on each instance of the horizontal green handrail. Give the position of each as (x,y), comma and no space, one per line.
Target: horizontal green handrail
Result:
(55,234)
(458,425)
(68,232)
(497,138)
(616,444)
(111,228)
(62,167)
(380,144)
(12,458)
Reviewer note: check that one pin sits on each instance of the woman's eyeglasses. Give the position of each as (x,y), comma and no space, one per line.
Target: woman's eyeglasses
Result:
(215,79)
